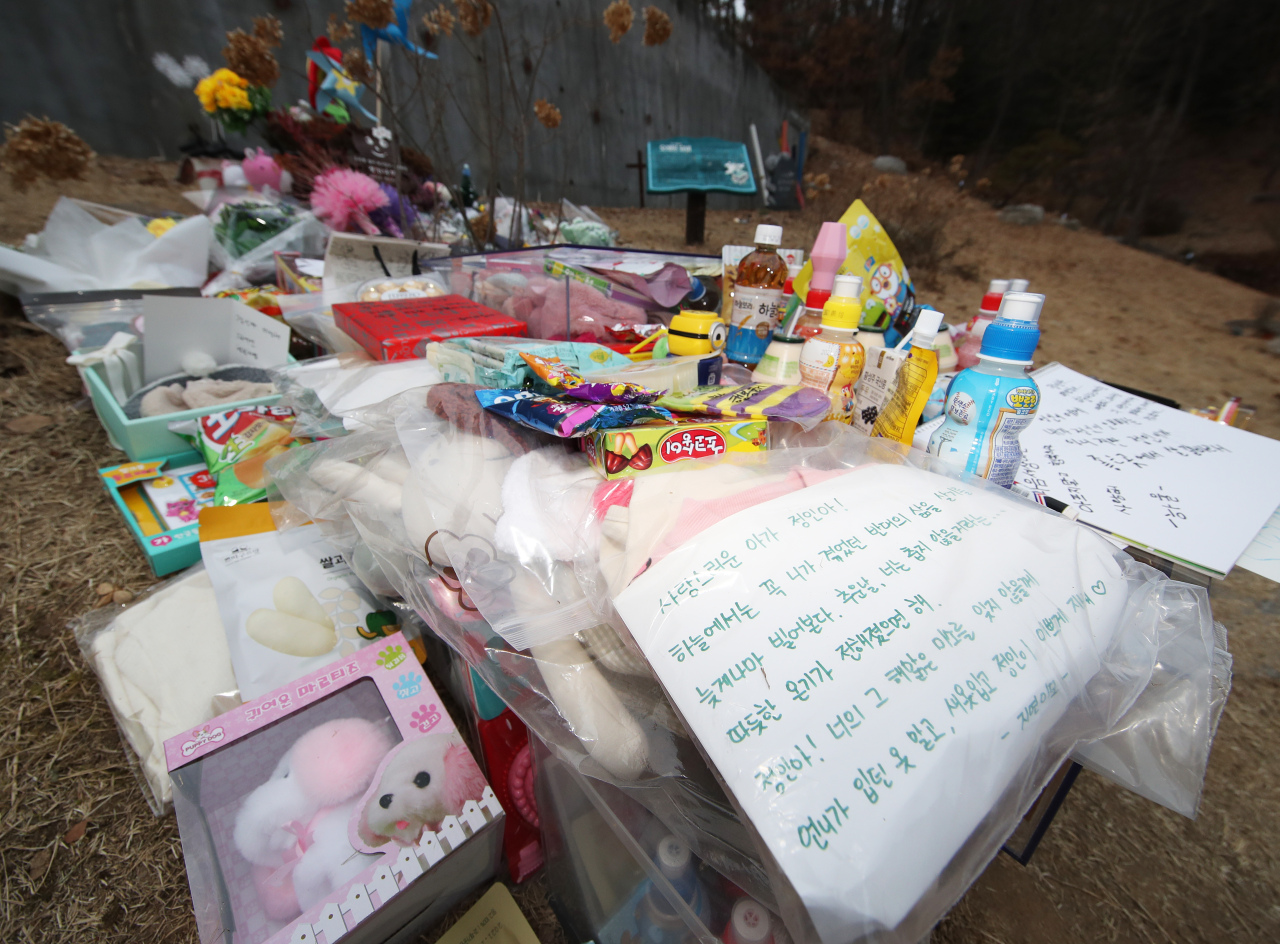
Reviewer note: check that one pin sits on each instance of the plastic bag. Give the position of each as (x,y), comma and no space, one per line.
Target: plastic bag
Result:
(326,393)
(78,252)
(514,552)
(258,264)
(235,445)
(162,661)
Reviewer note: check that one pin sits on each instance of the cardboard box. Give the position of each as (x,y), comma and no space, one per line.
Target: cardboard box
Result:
(401,329)
(406,883)
(161,501)
(618,453)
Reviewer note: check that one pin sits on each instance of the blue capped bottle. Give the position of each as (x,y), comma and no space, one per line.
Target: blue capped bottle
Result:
(989,404)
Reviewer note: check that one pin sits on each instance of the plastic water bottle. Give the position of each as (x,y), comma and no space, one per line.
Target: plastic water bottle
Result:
(988,405)
(660,923)
(757,298)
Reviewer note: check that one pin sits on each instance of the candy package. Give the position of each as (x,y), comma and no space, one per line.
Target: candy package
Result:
(235,445)
(565,380)
(802,405)
(569,418)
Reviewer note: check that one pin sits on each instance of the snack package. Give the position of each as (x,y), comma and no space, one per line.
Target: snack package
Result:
(235,445)
(179,494)
(887,291)
(564,379)
(802,405)
(162,661)
(567,418)
(290,603)
(629,452)
(876,385)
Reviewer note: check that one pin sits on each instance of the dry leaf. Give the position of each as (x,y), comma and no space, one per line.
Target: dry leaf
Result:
(121,596)
(27,424)
(76,832)
(39,864)
(106,589)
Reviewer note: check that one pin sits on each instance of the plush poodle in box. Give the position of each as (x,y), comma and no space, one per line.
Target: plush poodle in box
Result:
(310,809)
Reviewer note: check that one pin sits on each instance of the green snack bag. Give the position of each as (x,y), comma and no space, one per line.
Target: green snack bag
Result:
(236,445)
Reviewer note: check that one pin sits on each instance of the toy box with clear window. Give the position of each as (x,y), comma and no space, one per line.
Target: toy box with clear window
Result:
(345,804)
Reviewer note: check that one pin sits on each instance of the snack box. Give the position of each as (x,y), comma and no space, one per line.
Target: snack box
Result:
(161,501)
(619,453)
(346,832)
(400,329)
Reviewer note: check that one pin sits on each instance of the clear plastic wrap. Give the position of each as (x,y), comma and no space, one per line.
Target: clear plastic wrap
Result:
(514,551)
(164,667)
(327,392)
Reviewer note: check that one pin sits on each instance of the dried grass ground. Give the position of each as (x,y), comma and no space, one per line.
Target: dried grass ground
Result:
(1112,868)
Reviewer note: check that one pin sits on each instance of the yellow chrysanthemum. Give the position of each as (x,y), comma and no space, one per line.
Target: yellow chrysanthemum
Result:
(223,89)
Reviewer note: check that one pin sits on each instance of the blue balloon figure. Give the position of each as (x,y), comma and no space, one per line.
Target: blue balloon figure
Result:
(395,32)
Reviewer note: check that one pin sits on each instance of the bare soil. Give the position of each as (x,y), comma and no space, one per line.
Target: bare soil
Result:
(1113,867)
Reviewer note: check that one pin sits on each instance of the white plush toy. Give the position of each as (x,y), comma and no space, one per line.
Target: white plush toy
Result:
(294,828)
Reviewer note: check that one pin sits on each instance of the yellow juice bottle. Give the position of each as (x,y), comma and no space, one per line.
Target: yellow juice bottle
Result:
(916,377)
(832,360)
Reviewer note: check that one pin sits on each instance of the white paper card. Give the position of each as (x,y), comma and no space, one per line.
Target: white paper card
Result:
(868,662)
(228,331)
(1262,556)
(1163,479)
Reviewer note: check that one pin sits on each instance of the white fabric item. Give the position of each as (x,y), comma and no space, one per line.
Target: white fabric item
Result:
(546,500)
(161,662)
(120,364)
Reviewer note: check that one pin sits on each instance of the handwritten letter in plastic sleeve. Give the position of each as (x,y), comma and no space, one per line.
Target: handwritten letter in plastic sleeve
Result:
(869,662)
(1163,479)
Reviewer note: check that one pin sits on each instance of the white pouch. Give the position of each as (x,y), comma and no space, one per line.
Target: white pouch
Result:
(289,601)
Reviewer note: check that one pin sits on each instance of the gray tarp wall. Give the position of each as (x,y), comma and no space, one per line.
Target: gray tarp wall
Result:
(89,64)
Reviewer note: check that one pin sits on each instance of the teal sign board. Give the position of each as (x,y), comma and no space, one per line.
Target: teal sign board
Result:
(699,164)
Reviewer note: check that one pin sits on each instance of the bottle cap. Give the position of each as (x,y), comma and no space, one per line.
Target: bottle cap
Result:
(767,235)
(844,309)
(1012,338)
(998,287)
(926,330)
(1021,306)
(749,923)
(673,857)
(816,297)
(1018,285)
(697,290)
(829,251)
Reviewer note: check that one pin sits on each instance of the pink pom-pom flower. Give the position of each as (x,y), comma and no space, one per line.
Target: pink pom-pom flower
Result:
(343,198)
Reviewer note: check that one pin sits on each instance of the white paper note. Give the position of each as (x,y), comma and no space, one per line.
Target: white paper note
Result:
(1163,479)
(868,662)
(1262,556)
(223,328)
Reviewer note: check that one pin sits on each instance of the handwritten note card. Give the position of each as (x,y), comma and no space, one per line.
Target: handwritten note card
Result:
(1158,477)
(1263,555)
(869,662)
(223,328)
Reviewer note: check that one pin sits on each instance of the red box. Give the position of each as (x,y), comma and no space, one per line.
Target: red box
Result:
(398,330)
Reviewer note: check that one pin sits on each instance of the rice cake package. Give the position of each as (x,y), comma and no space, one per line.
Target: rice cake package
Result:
(289,601)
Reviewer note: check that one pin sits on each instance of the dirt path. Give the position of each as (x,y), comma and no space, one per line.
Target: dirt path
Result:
(1112,868)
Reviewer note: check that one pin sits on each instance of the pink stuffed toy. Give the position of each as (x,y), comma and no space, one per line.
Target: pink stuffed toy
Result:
(261,169)
(428,779)
(294,828)
(541,305)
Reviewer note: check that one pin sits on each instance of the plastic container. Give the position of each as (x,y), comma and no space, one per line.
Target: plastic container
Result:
(987,406)
(407,286)
(757,298)
(148,437)
(781,361)
(832,361)
(988,310)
